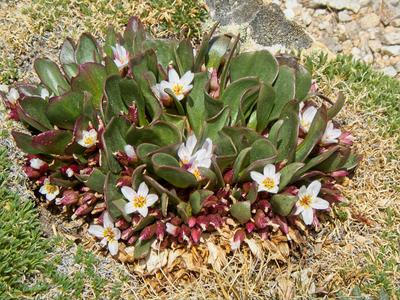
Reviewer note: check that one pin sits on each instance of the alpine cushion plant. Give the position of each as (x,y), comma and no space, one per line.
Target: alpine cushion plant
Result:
(154,144)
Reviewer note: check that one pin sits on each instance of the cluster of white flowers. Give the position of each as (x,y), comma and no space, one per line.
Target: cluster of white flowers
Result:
(180,87)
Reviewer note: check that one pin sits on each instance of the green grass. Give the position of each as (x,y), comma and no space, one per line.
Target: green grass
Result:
(22,249)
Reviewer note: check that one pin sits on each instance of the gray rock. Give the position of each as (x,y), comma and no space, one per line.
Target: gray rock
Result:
(391,36)
(375,45)
(369,21)
(390,71)
(344,16)
(306,17)
(267,23)
(353,5)
(391,50)
(397,67)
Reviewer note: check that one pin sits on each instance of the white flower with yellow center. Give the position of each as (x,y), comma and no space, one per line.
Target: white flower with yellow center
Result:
(121,56)
(179,86)
(307,117)
(268,181)
(331,134)
(36,163)
(139,201)
(49,190)
(89,138)
(12,96)
(108,233)
(193,161)
(130,151)
(309,200)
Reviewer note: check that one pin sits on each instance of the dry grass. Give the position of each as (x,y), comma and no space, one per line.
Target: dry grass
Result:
(355,246)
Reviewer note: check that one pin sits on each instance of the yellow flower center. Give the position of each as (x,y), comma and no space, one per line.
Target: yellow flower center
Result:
(197,174)
(108,233)
(50,188)
(305,124)
(305,201)
(139,201)
(89,140)
(177,89)
(269,183)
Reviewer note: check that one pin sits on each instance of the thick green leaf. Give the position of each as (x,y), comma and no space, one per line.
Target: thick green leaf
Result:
(196,199)
(32,110)
(282,204)
(234,93)
(143,223)
(134,35)
(63,111)
(202,51)
(265,104)
(67,52)
(335,161)
(195,106)
(71,70)
(173,198)
(241,211)
(91,78)
(352,161)
(142,248)
(178,121)
(24,142)
(184,210)
(114,103)
(184,57)
(288,133)
(143,151)
(314,135)
(241,137)
(336,107)
(153,105)
(274,132)
(110,41)
(261,64)
(87,50)
(284,87)
(261,149)
(160,133)
(217,49)
(212,106)
(164,50)
(288,173)
(303,82)
(257,165)
(94,181)
(52,142)
(50,75)
(242,161)
(111,194)
(214,125)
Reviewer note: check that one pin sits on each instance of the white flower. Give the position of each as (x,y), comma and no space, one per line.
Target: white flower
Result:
(307,117)
(44,93)
(36,163)
(308,201)
(69,172)
(268,181)
(50,190)
(121,56)
(179,86)
(139,201)
(89,138)
(108,233)
(130,151)
(331,134)
(12,96)
(200,159)
(4,88)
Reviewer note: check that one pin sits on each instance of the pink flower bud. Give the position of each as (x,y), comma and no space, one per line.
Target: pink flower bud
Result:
(133,114)
(172,229)
(210,201)
(238,238)
(346,138)
(176,221)
(69,197)
(122,224)
(195,234)
(283,226)
(148,232)
(184,234)
(31,172)
(314,86)
(88,198)
(192,221)
(250,227)
(98,208)
(127,233)
(83,210)
(263,204)
(339,173)
(293,190)
(124,181)
(260,219)
(132,239)
(228,176)
(160,230)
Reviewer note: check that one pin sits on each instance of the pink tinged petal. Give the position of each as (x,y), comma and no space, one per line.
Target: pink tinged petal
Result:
(128,192)
(191,143)
(257,177)
(143,189)
(143,211)
(314,188)
(129,208)
(299,209)
(103,242)
(107,221)
(335,133)
(173,76)
(183,153)
(308,216)
(117,233)
(96,230)
(151,199)
(319,203)
(113,247)
(309,114)
(187,78)
(187,89)
(269,170)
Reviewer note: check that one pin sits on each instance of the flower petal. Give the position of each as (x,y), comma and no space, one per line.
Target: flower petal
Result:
(129,208)
(117,233)
(187,78)
(96,230)
(319,203)
(308,216)
(113,247)
(151,199)
(314,188)
(191,143)
(302,191)
(107,220)
(173,76)
(128,192)
(257,177)
(143,190)
(269,170)
(143,211)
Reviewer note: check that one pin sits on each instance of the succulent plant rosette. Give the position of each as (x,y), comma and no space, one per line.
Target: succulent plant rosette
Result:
(159,144)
